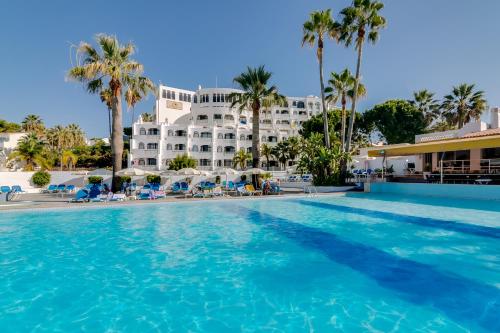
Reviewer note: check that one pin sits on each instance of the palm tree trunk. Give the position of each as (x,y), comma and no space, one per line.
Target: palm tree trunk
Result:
(267,163)
(116,137)
(255,137)
(342,138)
(322,85)
(354,98)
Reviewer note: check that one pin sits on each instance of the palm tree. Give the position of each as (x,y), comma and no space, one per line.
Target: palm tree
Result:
(139,88)
(265,150)
(341,87)
(7,127)
(181,162)
(30,150)
(241,158)
(69,159)
(255,95)
(147,117)
(293,146)
(109,67)
(360,22)
(75,135)
(33,124)
(424,101)
(280,152)
(106,97)
(319,26)
(463,105)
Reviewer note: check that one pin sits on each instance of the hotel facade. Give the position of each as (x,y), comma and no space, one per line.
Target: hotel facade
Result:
(203,125)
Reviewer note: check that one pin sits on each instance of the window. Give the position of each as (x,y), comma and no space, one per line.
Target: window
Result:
(141,145)
(294,103)
(202,117)
(205,162)
(214,98)
(195,148)
(272,139)
(195,99)
(153,131)
(222,98)
(278,122)
(142,131)
(229,149)
(170,133)
(220,136)
(310,104)
(169,95)
(242,137)
(180,147)
(277,111)
(300,105)
(263,138)
(285,122)
(196,135)
(217,116)
(180,133)
(173,95)
(249,137)
(163,93)
(284,112)
(169,146)
(219,149)
(152,146)
(229,136)
(151,161)
(228,163)
(218,98)
(228,117)
(206,148)
(142,162)
(219,163)
(189,98)
(206,135)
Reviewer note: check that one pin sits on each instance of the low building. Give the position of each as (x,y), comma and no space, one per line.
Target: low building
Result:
(458,155)
(8,142)
(203,125)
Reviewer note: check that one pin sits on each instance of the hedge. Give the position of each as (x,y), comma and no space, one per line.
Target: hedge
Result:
(41,178)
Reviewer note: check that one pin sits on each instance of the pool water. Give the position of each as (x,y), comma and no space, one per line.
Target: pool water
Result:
(352,263)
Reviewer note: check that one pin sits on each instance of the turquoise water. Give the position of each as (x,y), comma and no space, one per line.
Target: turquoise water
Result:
(355,263)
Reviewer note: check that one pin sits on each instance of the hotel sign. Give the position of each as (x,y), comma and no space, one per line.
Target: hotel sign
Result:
(174,105)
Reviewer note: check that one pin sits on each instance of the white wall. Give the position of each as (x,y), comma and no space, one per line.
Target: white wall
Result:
(23,179)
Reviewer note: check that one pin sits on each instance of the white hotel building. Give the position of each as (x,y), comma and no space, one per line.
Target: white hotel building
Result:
(202,125)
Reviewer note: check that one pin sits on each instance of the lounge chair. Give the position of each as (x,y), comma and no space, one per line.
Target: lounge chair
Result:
(217,192)
(51,189)
(60,188)
(159,194)
(4,189)
(252,190)
(241,190)
(102,197)
(17,189)
(70,189)
(81,195)
(146,194)
(118,197)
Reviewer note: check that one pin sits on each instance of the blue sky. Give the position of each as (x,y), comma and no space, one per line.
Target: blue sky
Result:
(427,44)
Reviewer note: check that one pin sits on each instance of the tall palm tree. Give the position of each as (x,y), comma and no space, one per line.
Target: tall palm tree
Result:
(341,87)
(265,150)
(106,96)
(33,124)
(139,88)
(280,152)
(75,135)
(147,117)
(59,140)
(293,146)
(30,150)
(241,158)
(256,94)
(424,101)
(320,26)
(463,105)
(361,21)
(69,159)
(109,67)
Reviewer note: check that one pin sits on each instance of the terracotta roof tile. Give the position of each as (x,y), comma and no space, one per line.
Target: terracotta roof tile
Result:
(493,131)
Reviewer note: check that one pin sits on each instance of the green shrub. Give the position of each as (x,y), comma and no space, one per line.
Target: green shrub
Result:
(153,179)
(95,180)
(41,178)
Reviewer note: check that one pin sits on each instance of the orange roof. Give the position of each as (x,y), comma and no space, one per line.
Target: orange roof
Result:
(493,131)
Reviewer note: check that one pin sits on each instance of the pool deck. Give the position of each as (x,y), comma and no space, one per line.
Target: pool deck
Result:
(37,201)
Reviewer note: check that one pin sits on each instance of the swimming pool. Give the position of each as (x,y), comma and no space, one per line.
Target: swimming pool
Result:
(353,263)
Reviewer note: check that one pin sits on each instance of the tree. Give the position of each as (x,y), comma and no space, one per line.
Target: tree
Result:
(7,127)
(319,26)
(33,124)
(147,117)
(69,159)
(397,120)
(109,67)
(280,152)
(139,88)
(361,21)
(293,145)
(181,162)
(30,151)
(341,87)
(424,101)
(59,139)
(323,163)
(463,105)
(241,158)
(255,95)
(265,150)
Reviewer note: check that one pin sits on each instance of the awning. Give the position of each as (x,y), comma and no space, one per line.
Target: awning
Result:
(492,141)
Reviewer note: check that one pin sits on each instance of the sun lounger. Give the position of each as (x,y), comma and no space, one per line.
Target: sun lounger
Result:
(81,195)
(5,189)
(217,192)
(241,190)
(118,197)
(60,188)
(250,188)
(50,189)
(146,194)
(70,189)
(160,194)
